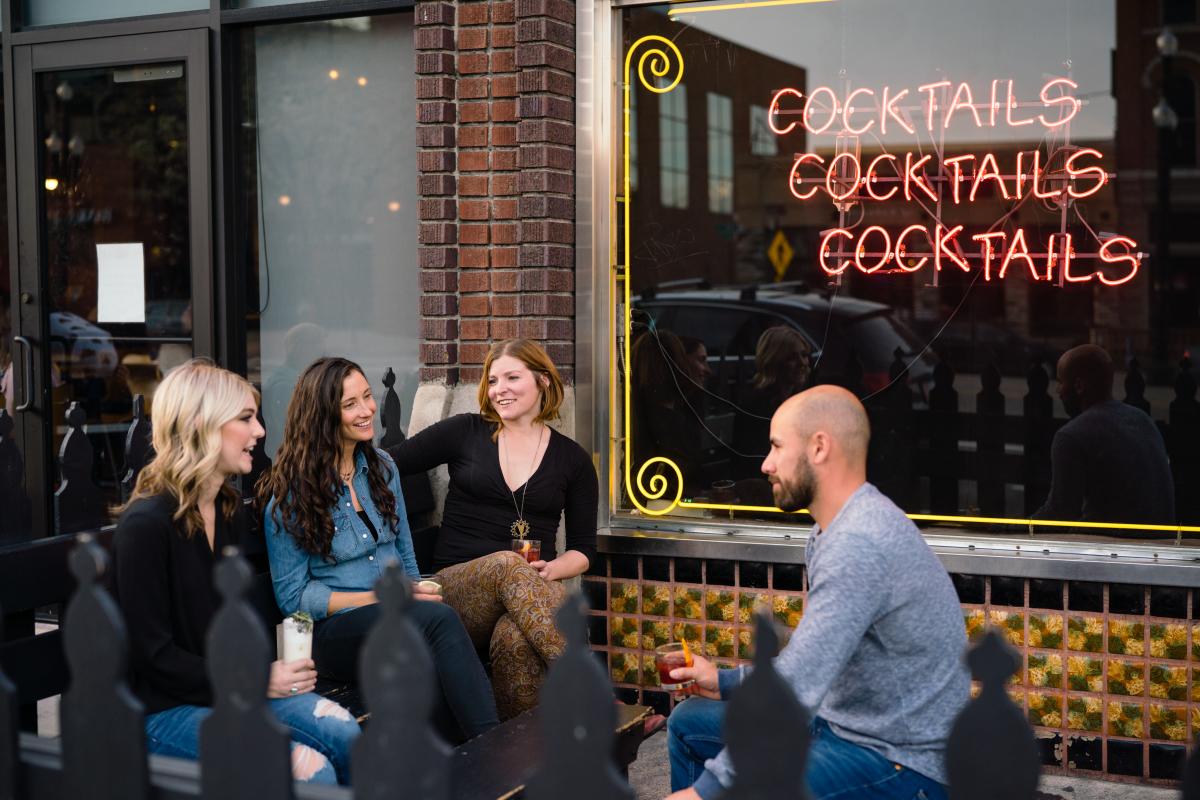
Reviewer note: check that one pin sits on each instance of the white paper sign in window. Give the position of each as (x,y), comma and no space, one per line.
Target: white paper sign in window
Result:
(120,282)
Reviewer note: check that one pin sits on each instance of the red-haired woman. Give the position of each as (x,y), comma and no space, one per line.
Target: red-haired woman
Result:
(511,476)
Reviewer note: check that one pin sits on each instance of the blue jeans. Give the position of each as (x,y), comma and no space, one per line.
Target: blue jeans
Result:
(321,731)
(836,768)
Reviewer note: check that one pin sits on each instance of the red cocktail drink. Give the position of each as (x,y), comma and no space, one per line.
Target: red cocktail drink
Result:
(672,656)
(528,549)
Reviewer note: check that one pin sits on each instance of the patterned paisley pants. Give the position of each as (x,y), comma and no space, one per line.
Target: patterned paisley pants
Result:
(509,609)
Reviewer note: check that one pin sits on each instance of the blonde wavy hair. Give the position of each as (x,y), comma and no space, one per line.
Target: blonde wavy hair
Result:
(190,406)
(535,357)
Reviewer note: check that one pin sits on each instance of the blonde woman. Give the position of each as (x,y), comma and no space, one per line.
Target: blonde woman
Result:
(510,475)
(170,534)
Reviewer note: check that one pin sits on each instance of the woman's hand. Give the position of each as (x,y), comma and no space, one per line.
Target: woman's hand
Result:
(292,677)
(568,565)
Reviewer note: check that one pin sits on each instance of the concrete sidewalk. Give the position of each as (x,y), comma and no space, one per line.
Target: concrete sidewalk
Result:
(650,778)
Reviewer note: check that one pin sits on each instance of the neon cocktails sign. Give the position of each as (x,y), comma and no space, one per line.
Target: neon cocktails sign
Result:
(1067,175)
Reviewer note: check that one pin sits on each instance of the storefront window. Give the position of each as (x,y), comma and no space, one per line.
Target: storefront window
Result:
(59,12)
(331,171)
(930,215)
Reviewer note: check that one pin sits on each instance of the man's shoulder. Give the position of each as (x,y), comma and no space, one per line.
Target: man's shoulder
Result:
(871,511)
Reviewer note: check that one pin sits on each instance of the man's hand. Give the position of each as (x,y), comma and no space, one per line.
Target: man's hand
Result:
(704,673)
(684,794)
(292,677)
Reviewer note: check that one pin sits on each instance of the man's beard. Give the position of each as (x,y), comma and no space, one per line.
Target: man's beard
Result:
(793,495)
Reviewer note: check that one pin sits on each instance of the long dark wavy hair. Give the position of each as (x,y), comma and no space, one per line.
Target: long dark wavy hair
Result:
(304,480)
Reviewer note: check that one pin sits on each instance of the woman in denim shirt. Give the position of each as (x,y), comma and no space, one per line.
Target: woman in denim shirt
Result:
(334,520)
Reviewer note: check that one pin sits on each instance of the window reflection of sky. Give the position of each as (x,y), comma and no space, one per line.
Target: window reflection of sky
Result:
(914,42)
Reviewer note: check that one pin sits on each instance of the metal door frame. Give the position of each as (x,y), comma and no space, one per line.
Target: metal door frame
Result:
(30,320)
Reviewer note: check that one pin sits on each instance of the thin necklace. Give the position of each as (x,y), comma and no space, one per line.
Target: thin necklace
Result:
(520,528)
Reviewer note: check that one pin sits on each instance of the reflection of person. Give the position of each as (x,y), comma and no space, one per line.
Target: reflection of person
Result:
(781,368)
(1108,463)
(334,519)
(881,620)
(508,467)
(182,514)
(664,417)
(696,361)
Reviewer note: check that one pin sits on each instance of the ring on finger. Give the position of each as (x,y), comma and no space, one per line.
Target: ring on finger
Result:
(294,689)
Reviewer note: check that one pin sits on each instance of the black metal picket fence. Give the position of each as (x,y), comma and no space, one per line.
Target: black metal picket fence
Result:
(244,753)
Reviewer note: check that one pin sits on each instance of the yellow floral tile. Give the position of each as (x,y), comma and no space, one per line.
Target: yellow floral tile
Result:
(1127,678)
(719,606)
(654,633)
(656,600)
(625,667)
(1045,709)
(624,598)
(683,631)
(1085,634)
(1195,685)
(1168,641)
(749,603)
(688,604)
(1125,719)
(1046,630)
(976,688)
(1045,671)
(1196,638)
(719,641)
(1168,683)
(1017,695)
(649,671)
(745,644)
(623,632)
(1126,638)
(1168,722)
(1085,714)
(1195,722)
(1011,625)
(788,609)
(975,622)
(1085,674)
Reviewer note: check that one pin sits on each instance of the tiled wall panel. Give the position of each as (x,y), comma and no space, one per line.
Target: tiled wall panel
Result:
(1110,676)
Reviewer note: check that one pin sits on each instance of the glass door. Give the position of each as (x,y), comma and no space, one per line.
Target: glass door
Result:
(115,254)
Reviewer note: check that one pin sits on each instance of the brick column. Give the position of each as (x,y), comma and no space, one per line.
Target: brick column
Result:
(495,161)
(437,247)
(546,132)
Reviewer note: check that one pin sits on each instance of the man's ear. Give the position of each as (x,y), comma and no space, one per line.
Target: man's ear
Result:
(819,445)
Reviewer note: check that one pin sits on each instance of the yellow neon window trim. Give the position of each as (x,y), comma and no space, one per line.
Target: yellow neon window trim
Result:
(660,59)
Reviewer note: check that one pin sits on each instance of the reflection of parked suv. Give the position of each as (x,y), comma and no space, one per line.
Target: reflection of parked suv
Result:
(730,322)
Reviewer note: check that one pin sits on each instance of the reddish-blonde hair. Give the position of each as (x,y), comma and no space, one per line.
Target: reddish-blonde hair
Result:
(533,356)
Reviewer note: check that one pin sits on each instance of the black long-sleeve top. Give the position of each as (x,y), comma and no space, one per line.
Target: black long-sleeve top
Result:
(164,586)
(479,509)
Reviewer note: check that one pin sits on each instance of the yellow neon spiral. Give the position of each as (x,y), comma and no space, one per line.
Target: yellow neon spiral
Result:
(658,61)
(659,484)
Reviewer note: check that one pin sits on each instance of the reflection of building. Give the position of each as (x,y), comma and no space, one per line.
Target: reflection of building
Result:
(1137,87)
(705,166)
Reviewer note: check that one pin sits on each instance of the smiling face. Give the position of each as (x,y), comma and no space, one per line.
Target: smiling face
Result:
(238,439)
(358,409)
(514,390)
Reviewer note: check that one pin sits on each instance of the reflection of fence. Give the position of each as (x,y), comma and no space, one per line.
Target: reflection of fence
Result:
(992,752)
(948,446)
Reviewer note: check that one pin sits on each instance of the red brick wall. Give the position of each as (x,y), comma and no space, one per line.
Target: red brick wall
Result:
(496,178)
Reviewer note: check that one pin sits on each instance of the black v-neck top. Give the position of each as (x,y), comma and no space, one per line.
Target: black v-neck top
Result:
(165,588)
(479,508)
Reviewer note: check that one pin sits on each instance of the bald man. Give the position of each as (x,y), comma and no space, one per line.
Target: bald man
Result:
(1109,463)
(877,658)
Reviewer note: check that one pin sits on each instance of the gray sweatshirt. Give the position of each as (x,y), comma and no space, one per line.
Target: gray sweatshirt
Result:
(878,653)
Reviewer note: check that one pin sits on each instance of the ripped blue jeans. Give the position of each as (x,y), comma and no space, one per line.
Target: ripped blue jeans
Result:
(321,730)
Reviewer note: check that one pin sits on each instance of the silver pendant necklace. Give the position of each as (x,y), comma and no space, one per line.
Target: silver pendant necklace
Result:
(520,528)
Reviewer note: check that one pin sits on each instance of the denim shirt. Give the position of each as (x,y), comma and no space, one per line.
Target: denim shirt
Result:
(303,581)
